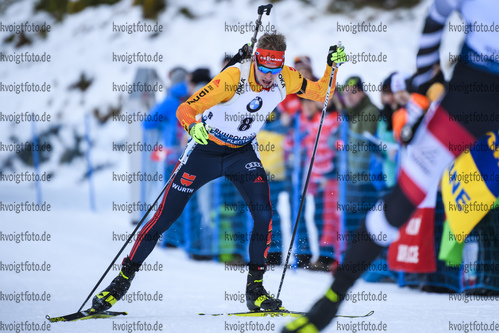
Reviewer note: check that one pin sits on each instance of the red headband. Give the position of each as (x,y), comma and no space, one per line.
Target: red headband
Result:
(269,57)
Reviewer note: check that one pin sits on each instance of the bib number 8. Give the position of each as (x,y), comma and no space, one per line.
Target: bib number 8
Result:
(245,124)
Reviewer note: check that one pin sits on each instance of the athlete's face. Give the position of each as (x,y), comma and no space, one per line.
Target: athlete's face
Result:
(266,80)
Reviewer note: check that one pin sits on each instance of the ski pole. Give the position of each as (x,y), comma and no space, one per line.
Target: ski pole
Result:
(246,51)
(308,176)
(261,10)
(173,175)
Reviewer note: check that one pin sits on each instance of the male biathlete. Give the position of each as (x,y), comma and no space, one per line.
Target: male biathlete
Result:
(440,138)
(223,119)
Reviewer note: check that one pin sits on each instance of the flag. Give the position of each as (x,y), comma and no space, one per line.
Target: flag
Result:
(414,249)
(470,186)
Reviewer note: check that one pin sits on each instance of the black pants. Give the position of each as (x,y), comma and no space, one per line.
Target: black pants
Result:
(201,164)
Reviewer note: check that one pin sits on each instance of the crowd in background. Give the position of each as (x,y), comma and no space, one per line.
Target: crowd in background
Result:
(357,158)
(297,119)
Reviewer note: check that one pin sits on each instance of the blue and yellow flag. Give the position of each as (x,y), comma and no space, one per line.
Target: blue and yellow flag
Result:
(470,186)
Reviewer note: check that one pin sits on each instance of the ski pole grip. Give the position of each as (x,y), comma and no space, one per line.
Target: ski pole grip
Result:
(264,9)
(261,9)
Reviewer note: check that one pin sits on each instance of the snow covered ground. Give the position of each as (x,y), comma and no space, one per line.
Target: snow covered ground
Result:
(81,242)
(81,247)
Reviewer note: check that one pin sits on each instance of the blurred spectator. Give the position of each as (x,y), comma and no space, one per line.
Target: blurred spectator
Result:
(304,66)
(385,132)
(323,186)
(362,117)
(177,74)
(271,148)
(362,113)
(198,78)
(166,110)
(414,105)
(389,105)
(320,212)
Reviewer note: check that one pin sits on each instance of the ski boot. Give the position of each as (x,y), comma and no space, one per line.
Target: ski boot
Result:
(256,296)
(117,289)
(321,314)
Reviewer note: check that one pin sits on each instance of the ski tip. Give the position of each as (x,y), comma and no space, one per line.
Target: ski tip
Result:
(55,319)
(85,315)
(370,313)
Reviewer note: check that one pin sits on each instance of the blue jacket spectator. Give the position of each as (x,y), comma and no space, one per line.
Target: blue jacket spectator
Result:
(167,110)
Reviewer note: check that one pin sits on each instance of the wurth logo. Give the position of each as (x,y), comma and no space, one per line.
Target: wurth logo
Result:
(182,189)
(259,179)
(187,179)
(216,82)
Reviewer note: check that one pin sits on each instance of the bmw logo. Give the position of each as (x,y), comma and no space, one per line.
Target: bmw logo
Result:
(255,104)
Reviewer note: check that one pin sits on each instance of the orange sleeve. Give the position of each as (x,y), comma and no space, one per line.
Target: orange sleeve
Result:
(399,118)
(314,90)
(220,89)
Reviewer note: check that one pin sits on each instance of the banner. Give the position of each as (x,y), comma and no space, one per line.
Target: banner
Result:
(414,250)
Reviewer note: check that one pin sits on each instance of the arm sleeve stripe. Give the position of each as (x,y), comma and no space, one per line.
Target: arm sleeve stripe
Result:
(431,39)
(431,26)
(429,50)
(303,87)
(428,59)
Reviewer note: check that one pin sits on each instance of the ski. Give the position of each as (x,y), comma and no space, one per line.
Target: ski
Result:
(370,313)
(281,313)
(82,315)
